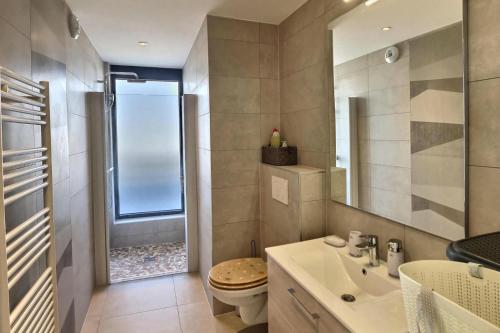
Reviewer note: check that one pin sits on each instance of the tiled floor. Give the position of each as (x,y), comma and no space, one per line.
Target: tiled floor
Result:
(138,262)
(168,304)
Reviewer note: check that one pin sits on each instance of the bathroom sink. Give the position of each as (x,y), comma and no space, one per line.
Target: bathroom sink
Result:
(363,298)
(342,274)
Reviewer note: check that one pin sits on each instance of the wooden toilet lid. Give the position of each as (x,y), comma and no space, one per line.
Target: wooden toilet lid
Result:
(237,286)
(239,272)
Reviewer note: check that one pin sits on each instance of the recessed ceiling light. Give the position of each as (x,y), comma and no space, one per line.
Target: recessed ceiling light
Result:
(386,28)
(141,43)
(370,2)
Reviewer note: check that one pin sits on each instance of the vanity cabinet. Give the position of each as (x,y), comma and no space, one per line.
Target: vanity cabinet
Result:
(294,310)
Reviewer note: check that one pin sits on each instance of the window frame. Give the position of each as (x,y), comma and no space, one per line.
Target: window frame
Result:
(149,74)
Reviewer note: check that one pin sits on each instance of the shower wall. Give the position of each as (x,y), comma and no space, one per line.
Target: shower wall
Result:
(147,231)
(35,42)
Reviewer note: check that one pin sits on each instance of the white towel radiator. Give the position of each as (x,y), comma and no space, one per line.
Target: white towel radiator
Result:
(27,171)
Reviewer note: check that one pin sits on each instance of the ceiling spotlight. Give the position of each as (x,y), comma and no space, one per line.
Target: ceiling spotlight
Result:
(141,43)
(370,2)
(386,28)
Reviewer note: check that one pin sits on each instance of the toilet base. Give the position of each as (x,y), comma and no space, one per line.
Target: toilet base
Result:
(255,313)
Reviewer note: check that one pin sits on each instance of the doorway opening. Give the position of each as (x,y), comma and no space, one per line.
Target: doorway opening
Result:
(147,235)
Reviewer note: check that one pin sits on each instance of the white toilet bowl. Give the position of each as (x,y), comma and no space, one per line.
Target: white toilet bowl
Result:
(242,283)
(251,302)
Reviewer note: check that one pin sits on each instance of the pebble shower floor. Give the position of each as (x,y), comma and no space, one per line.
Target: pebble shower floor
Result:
(139,262)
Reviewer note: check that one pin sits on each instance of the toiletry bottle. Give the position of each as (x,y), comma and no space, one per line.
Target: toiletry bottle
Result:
(275,138)
(354,239)
(395,256)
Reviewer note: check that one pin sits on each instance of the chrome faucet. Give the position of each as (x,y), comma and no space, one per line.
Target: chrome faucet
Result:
(370,245)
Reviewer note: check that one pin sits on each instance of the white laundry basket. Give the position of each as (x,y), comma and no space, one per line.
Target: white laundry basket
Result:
(443,297)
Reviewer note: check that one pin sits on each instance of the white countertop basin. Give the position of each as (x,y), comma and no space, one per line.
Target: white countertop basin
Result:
(327,273)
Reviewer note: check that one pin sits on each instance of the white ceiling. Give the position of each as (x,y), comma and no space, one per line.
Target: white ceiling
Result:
(170,26)
(359,32)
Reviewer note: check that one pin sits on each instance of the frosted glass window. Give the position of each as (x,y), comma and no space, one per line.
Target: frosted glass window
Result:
(148,147)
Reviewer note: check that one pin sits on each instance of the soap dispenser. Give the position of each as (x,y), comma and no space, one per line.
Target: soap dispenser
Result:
(395,256)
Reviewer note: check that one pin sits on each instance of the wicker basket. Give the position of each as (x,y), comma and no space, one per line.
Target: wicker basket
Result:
(443,297)
(279,156)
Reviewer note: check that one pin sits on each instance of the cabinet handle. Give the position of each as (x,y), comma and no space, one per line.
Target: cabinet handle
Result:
(312,317)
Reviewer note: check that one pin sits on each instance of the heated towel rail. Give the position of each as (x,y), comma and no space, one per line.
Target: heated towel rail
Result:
(28,248)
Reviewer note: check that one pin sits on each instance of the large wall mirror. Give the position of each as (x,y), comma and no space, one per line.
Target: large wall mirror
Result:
(400,113)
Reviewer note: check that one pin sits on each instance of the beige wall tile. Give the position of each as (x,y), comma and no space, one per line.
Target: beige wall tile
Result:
(75,60)
(393,153)
(312,187)
(484,210)
(390,178)
(308,130)
(204,167)
(389,101)
(48,29)
(365,174)
(232,240)
(390,127)
(391,205)
(312,219)
(203,130)
(423,246)
(351,66)
(205,231)
(17,14)
(189,73)
(60,156)
(234,95)
(17,56)
(233,58)
(201,55)
(483,41)
(79,171)
(235,168)
(75,90)
(389,75)
(65,286)
(268,34)
(269,96)
(235,131)
(304,90)
(303,49)
(226,28)
(268,61)
(353,84)
(78,134)
(315,159)
(83,252)
(202,97)
(484,123)
(235,204)
(303,16)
